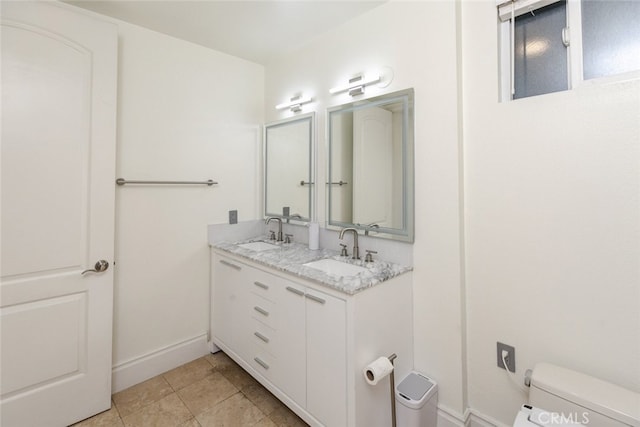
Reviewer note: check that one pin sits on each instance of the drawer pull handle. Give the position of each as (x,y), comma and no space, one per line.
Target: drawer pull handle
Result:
(262,337)
(315,298)
(261,285)
(230,264)
(261,363)
(261,310)
(295,291)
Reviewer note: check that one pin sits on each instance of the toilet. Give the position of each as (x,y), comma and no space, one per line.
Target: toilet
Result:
(560,396)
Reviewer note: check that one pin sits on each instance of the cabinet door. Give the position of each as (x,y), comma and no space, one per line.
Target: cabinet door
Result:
(291,343)
(228,279)
(326,358)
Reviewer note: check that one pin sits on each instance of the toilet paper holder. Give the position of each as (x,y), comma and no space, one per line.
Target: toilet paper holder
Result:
(370,375)
(393,392)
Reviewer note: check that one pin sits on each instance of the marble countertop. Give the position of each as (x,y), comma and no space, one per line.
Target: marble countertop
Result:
(291,257)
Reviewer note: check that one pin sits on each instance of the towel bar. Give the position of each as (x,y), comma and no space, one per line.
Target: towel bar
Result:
(122,181)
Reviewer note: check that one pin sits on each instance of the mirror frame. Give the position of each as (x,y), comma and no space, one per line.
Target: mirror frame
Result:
(310,118)
(406,233)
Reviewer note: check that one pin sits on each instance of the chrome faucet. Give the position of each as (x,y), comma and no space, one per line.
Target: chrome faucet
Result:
(294,216)
(356,250)
(268,220)
(372,225)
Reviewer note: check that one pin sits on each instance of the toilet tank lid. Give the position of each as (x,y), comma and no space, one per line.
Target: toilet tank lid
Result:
(600,396)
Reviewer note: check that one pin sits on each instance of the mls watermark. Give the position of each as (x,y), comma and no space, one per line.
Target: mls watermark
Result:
(555,418)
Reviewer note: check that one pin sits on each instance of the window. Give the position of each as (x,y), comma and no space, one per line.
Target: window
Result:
(610,37)
(550,45)
(540,64)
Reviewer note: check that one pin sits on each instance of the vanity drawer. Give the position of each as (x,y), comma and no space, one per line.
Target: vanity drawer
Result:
(264,338)
(262,310)
(263,362)
(263,284)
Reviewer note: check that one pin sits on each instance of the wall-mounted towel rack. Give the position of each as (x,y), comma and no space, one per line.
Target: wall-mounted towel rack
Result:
(340,183)
(122,181)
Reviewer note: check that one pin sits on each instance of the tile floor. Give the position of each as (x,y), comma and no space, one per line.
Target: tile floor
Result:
(210,391)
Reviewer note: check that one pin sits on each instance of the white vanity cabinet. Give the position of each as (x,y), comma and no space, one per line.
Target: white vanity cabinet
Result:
(326,358)
(323,317)
(309,344)
(229,286)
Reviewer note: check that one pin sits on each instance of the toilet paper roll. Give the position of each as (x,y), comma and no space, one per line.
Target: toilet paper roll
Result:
(377,370)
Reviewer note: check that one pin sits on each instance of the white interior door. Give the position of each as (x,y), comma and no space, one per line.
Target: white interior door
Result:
(57,195)
(372,166)
(342,167)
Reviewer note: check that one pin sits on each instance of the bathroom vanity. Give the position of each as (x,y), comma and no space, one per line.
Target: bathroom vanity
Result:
(306,333)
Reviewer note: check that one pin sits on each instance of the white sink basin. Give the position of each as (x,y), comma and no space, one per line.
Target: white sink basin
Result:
(258,246)
(336,268)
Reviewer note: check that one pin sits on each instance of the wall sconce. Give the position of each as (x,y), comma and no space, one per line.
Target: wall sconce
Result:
(356,84)
(294,104)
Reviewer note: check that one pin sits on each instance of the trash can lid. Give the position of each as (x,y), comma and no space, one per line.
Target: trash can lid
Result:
(415,390)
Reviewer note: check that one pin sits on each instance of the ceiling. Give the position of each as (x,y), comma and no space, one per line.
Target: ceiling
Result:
(254,30)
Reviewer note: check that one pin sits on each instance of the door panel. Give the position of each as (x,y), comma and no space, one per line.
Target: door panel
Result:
(372,167)
(46,85)
(57,208)
(61,324)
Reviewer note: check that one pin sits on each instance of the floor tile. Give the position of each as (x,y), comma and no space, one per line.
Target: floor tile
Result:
(191,423)
(189,373)
(109,418)
(166,412)
(265,422)
(238,376)
(220,361)
(285,417)
(262,398)
(206,393)
(137,397)
(211,391)
(236,411)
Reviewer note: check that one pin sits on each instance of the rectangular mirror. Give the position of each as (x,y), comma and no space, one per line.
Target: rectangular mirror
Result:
(288,159)
(370,176)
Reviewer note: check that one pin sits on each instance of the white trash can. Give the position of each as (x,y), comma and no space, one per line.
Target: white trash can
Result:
(416,401)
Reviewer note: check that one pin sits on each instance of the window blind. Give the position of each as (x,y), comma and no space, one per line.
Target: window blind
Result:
(512,8)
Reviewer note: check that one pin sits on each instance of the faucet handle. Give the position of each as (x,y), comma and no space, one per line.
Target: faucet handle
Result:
(369,257)
(272,235)
(287,239)
(344,250)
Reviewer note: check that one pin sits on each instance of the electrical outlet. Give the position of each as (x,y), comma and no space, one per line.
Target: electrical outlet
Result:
(286,210)
(510,359)
(233,217)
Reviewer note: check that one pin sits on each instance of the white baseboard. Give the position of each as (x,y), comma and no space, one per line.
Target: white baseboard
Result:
(471,418)
(139,369)
(449,418)
(213,348)
(477,419)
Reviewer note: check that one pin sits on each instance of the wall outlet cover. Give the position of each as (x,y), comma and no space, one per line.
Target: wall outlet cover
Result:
(286,211)
(510,359)
(233,217)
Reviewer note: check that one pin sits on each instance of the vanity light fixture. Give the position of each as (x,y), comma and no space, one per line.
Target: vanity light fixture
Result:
(356,84)
(294,104)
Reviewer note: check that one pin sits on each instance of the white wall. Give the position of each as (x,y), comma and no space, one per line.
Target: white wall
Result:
(552,187)
(184,113)
(418,41)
